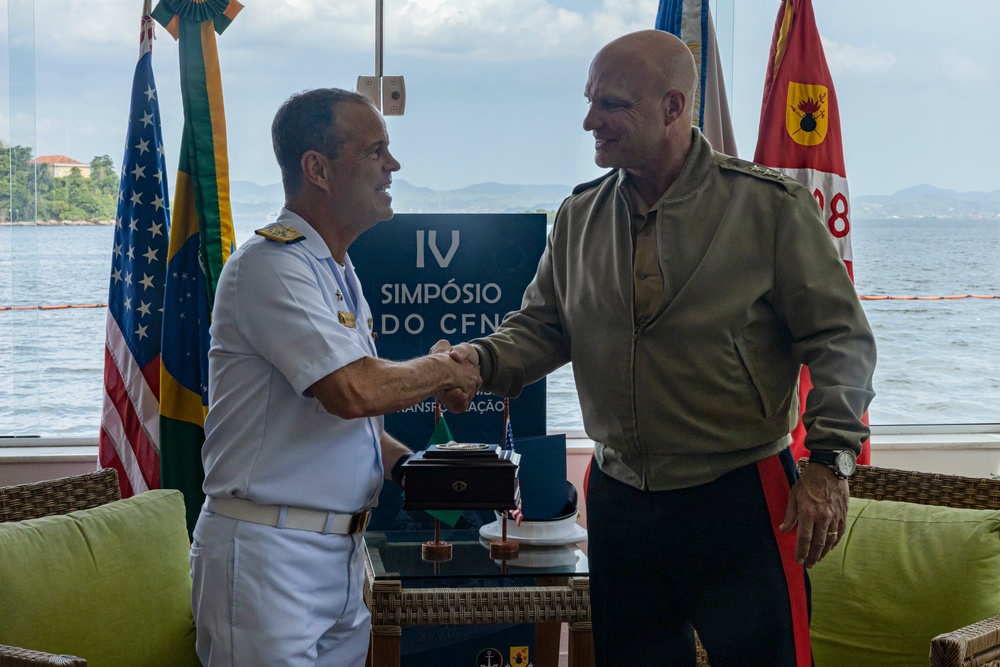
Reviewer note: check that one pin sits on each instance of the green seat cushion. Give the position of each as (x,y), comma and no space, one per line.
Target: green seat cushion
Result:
(903,574)
(109,584)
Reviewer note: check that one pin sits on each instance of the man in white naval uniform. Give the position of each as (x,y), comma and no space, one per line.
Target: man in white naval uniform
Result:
(295,451)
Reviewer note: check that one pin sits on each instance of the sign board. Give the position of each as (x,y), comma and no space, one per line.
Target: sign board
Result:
(453,276)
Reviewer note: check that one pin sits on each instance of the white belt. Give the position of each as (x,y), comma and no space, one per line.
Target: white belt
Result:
(282,516)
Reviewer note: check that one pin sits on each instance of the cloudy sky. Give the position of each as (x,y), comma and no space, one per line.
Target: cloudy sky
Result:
(494,87)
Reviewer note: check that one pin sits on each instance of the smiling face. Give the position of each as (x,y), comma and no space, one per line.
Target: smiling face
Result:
(626,115)
(639,89)
(361,173)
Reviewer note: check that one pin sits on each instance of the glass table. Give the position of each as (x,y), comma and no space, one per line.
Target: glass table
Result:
(544,585)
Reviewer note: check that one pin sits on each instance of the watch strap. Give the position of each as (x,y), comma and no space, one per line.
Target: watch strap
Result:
(829,458)
(397,469)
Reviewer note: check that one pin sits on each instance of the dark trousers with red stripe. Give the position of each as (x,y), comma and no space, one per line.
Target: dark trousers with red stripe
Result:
(708,558)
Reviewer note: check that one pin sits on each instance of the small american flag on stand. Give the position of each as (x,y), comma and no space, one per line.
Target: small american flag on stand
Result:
(129,439)
(508,444)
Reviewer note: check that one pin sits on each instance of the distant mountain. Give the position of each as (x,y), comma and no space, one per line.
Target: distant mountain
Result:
(919,201)
(479,198)
(252,199)
(245,192)
(927,201)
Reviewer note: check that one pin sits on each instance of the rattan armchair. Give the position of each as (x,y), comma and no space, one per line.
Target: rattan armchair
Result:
(976,645)
(56,496)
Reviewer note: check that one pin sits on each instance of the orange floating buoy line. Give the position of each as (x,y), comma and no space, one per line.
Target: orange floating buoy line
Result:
(929,298)
(863,297)
(59,307)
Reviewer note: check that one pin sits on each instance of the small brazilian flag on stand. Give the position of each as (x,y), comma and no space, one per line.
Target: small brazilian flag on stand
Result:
(440,436)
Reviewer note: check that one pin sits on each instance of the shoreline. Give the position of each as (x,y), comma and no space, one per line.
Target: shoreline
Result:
(858,218)
(58,223)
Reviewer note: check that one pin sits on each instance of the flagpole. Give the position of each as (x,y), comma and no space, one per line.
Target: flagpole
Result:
(437,550)
(503,441)
(503,548)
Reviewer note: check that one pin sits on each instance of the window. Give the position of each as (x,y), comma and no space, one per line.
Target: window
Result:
(495,94)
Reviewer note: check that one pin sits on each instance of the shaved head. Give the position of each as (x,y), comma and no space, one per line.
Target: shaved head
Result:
(661,59)
(641,89)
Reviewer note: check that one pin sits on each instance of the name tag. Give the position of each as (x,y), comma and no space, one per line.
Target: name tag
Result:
(346,318)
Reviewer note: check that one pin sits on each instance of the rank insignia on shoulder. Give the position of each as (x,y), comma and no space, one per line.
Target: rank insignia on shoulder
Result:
(766,171)
(280,234)
(346,318)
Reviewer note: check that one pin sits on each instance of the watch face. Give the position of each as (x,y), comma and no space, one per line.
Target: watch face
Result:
(845,463)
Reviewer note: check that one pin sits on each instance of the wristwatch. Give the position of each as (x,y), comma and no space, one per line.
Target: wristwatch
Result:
(841,461)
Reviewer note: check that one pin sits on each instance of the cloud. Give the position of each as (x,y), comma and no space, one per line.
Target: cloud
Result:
(962,68)
(852,59)
(75,27)
(486,30)
(489,30)
(510,30)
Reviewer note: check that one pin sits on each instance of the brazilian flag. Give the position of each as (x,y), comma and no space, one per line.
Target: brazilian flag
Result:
(201,240)
(440,436)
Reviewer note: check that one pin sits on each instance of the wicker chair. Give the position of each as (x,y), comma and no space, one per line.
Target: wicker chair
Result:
(59,496)
(976,645)
(56,496)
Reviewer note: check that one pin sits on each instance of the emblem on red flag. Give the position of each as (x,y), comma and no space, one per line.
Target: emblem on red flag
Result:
(806,116)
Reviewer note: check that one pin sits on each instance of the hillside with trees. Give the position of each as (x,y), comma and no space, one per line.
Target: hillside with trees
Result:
(71,198)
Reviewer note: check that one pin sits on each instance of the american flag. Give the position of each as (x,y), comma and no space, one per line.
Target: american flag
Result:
(129,440)
(508,444)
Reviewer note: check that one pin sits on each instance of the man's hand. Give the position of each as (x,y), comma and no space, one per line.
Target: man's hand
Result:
(466,382)
(817,504)
(465,352)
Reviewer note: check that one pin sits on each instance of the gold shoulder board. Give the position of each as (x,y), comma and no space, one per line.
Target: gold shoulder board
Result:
(280,234)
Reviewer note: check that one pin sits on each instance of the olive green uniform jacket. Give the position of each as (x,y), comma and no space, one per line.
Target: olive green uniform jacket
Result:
(753,288)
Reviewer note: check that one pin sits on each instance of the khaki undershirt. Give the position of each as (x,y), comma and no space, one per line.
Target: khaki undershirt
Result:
(646,277)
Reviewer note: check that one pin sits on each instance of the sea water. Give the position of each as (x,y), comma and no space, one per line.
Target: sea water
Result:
(939,360)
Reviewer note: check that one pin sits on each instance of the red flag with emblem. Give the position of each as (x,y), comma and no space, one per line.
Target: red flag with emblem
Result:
(799,134)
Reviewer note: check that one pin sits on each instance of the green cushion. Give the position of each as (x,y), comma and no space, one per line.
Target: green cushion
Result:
(903,574)
(109,584)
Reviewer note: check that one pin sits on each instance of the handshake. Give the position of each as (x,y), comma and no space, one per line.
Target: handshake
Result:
(461,379)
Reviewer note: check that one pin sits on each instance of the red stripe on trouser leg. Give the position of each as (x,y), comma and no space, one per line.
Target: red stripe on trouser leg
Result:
(775,484)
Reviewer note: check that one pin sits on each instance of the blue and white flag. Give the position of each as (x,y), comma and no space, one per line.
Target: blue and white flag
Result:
(691,21)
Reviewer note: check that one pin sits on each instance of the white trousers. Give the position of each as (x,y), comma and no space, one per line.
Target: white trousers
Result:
(277,597)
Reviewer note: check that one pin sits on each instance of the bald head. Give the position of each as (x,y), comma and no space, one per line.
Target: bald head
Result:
(657,59)
(641,88)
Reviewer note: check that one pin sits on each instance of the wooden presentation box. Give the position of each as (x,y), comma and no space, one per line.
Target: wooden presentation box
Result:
(461,476)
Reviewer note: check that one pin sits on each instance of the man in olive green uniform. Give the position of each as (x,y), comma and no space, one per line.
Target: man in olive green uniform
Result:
(687,288)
